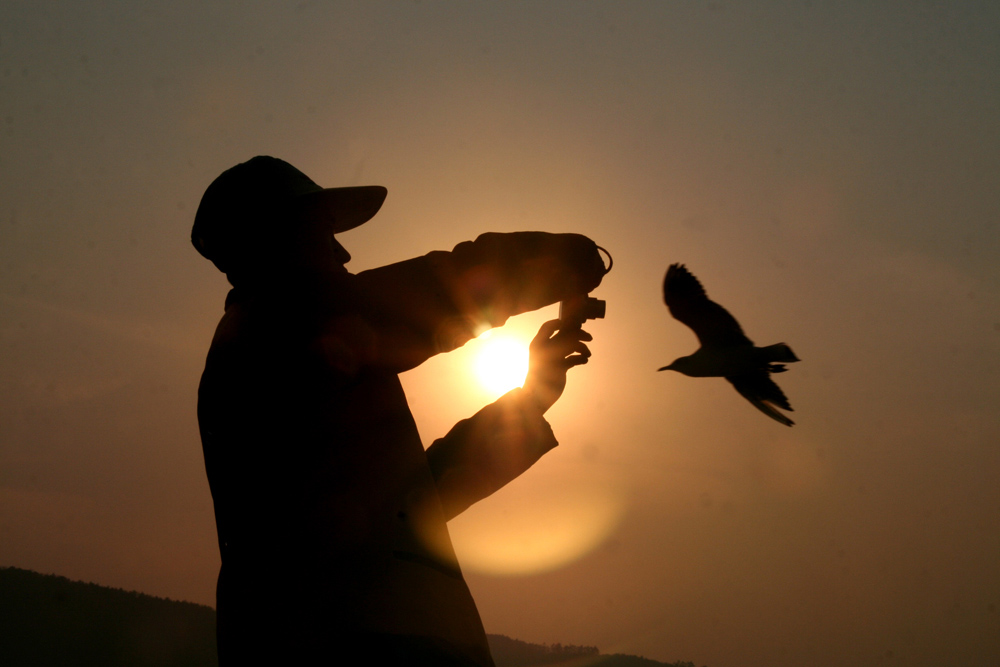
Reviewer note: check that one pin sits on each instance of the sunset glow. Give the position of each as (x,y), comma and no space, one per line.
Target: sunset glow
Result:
(534,529)
(501,363)
(828,171)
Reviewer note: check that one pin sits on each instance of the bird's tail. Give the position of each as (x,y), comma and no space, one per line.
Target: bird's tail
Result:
(779,352)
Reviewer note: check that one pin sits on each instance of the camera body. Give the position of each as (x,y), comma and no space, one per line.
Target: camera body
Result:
(578,309)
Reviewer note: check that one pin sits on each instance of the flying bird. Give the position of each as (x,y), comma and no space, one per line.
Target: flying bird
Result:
(725,350)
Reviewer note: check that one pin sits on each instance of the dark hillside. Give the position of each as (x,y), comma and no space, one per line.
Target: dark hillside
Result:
(509,652)
(50,621)
(47,620)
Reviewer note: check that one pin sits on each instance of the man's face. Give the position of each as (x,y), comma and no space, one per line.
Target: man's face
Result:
(317,249)
(338,253)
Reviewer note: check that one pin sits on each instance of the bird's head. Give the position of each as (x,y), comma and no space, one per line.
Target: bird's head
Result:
(676,365)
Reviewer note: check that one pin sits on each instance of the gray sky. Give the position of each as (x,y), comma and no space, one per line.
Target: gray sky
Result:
(830,171)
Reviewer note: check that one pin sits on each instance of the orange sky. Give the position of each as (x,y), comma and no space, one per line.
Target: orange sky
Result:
(829,172)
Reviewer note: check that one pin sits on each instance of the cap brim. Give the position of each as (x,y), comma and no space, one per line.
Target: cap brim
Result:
(342,208)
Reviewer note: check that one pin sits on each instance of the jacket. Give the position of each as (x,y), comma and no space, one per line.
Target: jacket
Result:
(331,515)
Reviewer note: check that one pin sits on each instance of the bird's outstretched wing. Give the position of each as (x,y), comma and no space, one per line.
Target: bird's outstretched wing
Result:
(758,388)
(688,303)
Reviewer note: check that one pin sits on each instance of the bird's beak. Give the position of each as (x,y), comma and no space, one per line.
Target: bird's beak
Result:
(666,368)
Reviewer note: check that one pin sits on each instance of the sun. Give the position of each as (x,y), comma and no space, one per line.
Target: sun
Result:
(501,363)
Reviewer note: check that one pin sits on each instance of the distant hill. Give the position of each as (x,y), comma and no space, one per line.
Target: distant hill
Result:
(509,652)
(50,621)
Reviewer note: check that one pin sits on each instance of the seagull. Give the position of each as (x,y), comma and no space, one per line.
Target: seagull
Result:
(725,350)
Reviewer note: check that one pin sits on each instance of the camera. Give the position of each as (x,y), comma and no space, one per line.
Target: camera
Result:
(578,309)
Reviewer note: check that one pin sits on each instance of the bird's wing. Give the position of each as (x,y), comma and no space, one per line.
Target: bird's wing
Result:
(758,388)
(688,303)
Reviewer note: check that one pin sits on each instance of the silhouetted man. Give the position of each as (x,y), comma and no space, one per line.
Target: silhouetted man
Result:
(331,515)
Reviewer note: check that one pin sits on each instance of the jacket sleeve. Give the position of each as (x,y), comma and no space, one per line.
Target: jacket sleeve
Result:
(483,453)
(440,301)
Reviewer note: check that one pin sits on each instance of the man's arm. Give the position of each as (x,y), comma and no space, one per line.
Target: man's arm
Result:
(440,301)
(485,452)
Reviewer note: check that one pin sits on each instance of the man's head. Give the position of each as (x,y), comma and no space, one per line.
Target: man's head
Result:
(260,215)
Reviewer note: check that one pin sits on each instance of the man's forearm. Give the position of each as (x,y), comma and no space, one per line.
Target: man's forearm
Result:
(440,301)
(485,452)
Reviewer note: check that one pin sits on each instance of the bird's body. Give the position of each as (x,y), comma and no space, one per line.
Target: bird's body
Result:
(729,361)
(725,350)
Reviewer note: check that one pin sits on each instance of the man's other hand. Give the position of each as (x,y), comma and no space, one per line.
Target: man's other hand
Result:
(554,351)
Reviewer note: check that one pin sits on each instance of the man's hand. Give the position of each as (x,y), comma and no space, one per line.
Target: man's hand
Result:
(554,351)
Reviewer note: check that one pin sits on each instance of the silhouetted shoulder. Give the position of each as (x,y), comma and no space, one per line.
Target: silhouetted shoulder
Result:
(688,303)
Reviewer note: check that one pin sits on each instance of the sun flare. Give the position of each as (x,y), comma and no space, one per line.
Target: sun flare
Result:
(501,363)
(537,526)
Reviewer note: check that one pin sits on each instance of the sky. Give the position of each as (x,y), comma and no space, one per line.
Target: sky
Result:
(829,171)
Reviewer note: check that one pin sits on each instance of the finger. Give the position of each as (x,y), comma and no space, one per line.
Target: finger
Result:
(564,348)
(572,335)
(575,360)
(578,348)
(546,330)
